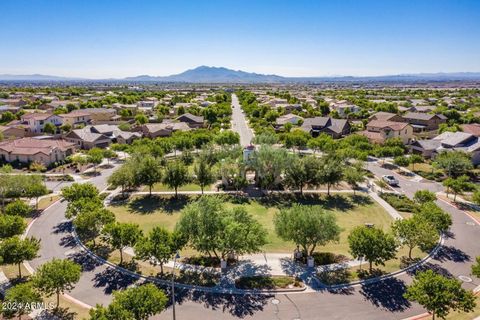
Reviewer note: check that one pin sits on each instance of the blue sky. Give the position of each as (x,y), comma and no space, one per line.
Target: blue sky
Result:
(106,38)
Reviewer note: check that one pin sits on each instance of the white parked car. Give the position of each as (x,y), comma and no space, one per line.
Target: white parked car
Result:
(391,180)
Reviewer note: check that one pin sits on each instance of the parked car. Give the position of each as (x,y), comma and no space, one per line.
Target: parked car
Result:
(391,180)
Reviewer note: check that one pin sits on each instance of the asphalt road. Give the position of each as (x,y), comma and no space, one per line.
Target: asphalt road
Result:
(239,123)
(382,300)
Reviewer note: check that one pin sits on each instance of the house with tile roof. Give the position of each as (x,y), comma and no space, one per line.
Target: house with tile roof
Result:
(378,131)
(448,141)
(27,150)
(336,128)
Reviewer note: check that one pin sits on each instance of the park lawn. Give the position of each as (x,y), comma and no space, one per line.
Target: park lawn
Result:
(148,212)
(426,167)
(46,201)
(188,187)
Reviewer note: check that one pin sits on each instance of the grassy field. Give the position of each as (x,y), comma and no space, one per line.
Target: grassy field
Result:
(187,187)
(46,201)
(350,212)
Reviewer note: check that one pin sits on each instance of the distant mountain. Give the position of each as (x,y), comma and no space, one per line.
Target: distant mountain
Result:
(35,77)
(205,74)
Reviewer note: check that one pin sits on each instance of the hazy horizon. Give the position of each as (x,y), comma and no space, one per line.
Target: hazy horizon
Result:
(116,39)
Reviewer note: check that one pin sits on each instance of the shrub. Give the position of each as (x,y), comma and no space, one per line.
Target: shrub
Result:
(38,167)
(399,202)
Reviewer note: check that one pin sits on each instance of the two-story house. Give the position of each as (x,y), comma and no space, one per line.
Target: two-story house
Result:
(36,121)
(424,121)
(380,130)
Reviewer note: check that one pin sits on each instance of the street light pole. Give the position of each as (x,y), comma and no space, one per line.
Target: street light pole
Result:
(177,256)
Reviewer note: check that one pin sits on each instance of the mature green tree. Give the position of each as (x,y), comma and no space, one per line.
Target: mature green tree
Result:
(476,267)
(241,233)
(124,177)
(458,185)
(22,297)
(211,229)
(95,157)
(15,250)
(149,172)
(266,137)
(89,223)
(297,138)
(36,189)
(112,312)
(159,246)
(121,235)
(307,226)
(227,137)
(323,142)
(330,171)
(439,295)
(434,215)
(269,164)
(401,161)
(7,117)
(141,118)
(11,226)
(57,276)
(372,244)
(354,174)
(109,154)
(141,302)
(79,160)
(476,197)
(424,196)
(455,163)
(80,190)
(415,232)
(302,171)
(415,158)
(176,175)
(49,128)
(83,205)
(18,208)
(204,175)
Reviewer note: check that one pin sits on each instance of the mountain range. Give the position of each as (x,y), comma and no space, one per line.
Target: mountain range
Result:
(205,74)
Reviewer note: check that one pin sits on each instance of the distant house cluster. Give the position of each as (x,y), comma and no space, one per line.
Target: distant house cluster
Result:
(72,126)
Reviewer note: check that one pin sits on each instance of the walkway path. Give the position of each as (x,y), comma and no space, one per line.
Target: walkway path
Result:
(239,123)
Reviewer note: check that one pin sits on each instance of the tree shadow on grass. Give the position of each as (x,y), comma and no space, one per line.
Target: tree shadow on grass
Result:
(386,294)
(339,202)
(111,279)
(150,204)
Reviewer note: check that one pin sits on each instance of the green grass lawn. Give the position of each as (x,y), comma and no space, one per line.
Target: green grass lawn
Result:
(187,187)
(350,211)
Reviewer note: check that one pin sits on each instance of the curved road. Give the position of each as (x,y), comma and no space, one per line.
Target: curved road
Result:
(381,300)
